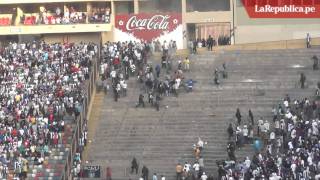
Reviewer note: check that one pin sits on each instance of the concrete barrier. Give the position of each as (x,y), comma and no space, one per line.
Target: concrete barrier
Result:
(286,44)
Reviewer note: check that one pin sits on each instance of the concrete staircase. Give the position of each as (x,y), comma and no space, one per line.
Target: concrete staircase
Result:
(54,164)
(257,80)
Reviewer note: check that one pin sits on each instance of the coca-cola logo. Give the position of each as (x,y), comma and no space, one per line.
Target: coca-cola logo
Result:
(148,26)
(155,22)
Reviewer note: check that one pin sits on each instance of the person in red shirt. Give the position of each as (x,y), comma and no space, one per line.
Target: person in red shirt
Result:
(109,175)
(14,133)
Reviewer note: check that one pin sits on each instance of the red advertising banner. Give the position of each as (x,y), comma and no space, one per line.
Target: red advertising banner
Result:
(282,8)
(148,27)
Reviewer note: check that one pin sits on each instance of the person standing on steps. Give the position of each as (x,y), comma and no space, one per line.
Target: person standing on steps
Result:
(109,174)
(251,117)
(115,94)
(134,165)
(224,71)
(194,46)
(238,116)
(179,169)
(158,70)
(302,80)
(145,172)
(210,43)
(157,103)
(154,177)
(230,131)
(186,63)
(141,101)
(315,62)
(308,39)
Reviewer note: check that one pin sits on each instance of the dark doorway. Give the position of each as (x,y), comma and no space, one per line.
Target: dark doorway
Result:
(191,32)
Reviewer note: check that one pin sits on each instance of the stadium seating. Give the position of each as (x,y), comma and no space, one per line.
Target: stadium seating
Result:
(5,21)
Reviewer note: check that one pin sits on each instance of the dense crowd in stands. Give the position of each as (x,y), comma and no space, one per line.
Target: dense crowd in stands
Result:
(291,146)
(69,15)
(100,15)
(40,82)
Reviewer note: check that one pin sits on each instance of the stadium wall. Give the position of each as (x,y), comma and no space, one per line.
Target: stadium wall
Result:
(253,30)
(72,38)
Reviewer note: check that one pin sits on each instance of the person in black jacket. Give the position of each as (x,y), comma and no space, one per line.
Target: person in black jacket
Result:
(238,116)
(141,102)
(145,172)
(134,165)
(230,130)
(210,43)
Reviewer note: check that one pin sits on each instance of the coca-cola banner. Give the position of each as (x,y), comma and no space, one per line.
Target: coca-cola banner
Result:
(149,27)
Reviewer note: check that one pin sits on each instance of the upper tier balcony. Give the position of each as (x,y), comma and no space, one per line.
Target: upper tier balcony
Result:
(54,18)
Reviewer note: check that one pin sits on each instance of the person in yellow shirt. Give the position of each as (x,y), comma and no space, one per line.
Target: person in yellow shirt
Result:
(18,97)
(186,63)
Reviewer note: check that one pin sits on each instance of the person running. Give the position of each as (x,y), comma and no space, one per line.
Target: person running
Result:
(141,101)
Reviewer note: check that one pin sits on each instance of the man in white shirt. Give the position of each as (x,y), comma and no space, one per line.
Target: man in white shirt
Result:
(196,168)
(260,126)
(204,176)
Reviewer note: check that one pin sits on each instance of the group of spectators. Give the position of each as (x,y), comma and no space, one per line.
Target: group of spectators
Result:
(82,142)
(40,83)
(68,15)
(100,15)
(125,60)
(194,171)
(208,43)
(291,144)
(129,59)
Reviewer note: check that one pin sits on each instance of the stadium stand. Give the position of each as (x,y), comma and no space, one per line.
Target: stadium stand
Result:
(42,98)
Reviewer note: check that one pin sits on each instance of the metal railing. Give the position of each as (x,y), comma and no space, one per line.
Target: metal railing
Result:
(87,96)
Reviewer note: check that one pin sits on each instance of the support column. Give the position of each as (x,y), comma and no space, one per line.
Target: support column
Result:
(89,11)
(109,36)
(19,15)
(136,6)
(184,25)
(113,13)
(233,21)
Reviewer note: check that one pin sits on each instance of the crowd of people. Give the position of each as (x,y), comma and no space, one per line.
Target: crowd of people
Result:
(100,15)
(286,148)
(40,84)
(122,61)
(130,59)
(196,170)
(68,15)
(209,43)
